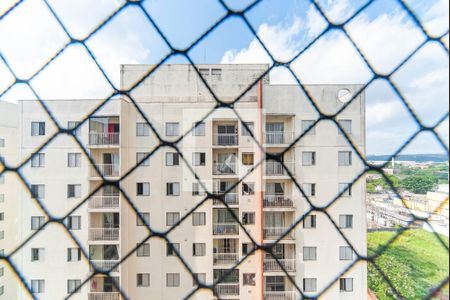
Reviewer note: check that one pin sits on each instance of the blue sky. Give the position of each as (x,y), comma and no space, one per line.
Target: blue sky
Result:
(385,34)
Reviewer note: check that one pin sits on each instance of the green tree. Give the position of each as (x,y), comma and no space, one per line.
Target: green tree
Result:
(420,184)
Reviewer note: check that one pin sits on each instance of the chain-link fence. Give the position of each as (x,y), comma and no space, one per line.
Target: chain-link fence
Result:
(220,104)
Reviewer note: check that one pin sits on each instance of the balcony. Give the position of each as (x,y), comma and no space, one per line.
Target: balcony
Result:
(274,233)
(225,228)
(228,198)
(105,265)
(227,289)
(278,201)
(104,138)
(104,202)
(107,170)
(104,234)
(275,168)
(224,169)
(225,139)
(280,295)
(271,265)
(221,259)
(279,137)
(103,296)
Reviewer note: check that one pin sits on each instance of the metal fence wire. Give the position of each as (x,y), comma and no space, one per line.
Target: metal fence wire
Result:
(163,235)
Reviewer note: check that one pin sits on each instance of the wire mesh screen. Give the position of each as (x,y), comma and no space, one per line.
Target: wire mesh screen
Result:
(174,145)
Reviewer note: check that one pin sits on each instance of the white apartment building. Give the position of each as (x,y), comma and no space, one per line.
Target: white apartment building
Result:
(163,190)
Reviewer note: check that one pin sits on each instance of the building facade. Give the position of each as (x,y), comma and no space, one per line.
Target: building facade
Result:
(191,239)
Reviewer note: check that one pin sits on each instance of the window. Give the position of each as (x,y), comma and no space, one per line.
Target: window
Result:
(249,279)
(73,254)
(2,216)
(37,286)
(37,254)
(248,218)
(346,126)
(2,143)
(143,280)
(250,130)
(74,191)
(306,124)
(346,189)
(172,129)
(345,158)
(2,198)
(172,249)
(172,159)
(74,222)
(248,188)
(197,189)
(309,253)
(310,285)
(142,129)
(309,158)
(247,248)
(216,74)
(37,128)
(199,129)
(71,125)
(143,189)
(37,222)
(74,160)
(198,249)
(142,218)
(198,159)
(2,179)
(198,219)
(73,286)
(38,191)
(2,234)
(143,250)
(345,253)
(142,160)
(310,222)
(172,280)
(38,160)
(309,189)
(172,218)
(201,278)
(346,284)
(346,221)
(173,188)
(248,159)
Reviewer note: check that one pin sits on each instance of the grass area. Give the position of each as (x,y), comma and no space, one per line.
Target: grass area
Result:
(414,264)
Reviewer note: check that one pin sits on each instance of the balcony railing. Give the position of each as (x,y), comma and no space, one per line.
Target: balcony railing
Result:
(104,202)
(274,233)
(224,168)
(279,137)
(225,228)
(271,265)
(103,296)
(278,201)
(227,289)
(275,168)
(225,139)
(280,295)
(104,234)
(221,259)
(104,138)
(105,265)
(107,170)
(229,198)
